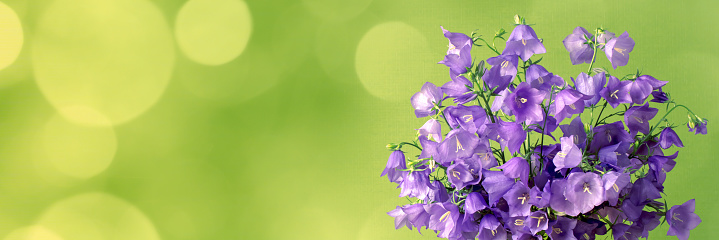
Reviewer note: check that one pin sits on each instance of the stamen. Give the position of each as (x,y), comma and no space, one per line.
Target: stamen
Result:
(586,188)
(539,220)
(620,50)
(524,198)
(519,222)
(459,146)
(519,101)
(524,42)
(456,174)
(638,120)
(561,154)
(614,94)
(505,64)
(586,236)
(541,80)
(572,106)
(674,216)
(467,118)
(557,230)
(576,139)
(432,164)
(494,232)
(616,188)
(444,216)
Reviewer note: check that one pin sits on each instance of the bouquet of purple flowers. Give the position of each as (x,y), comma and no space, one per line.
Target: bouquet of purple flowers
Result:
(500,171)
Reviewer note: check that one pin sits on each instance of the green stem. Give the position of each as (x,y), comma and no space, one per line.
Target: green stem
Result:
(594,55)
(600,113)
(490,47)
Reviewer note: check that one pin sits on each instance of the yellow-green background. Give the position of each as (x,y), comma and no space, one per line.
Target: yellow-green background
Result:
(285,141)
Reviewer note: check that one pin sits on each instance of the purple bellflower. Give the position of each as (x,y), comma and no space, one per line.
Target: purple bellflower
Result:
(537,221)
(427,100)
(458,63)
(616,92)
(460,89)
(516,168)
(681,219)
(444,218)
(468,118)
(539,78)
(559,201)
(577,43)
(563,229)
(668,138)
(395,164)
(637,118)
(570,156)
(698,127)
(459,175)
(491,229)
(507,64)
(458,144)
(614,183)
(590,86)
(609,134)
(568,102)
(432,130)
(524,103)
(474,203)
(415,183)
(518,199)
(457,41)
(585,190)
(509,134)
(524,42)
(496,184)
(659,96)
(618,49)
(495,80)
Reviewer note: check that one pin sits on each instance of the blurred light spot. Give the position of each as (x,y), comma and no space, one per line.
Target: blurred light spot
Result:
(32,233)
(11,36)
(392,61)
(336,10)
(115,57)
(213,32)
(77,150)
(98,216)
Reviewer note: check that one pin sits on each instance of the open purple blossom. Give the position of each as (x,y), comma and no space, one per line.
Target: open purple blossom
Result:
(570,156)
(637,118)
(539,78)
(431,129)
(668,137)
(537,221)
(698,127)
(395,164)
(469,118)
(427,100)
(415,184)
(458,63)
(577,43)
(585,190)
(524,42)
(524,102)
(618,49)
(475,202)
(616,92)
(614,183)
(639,90)
(459,175)
(496,184)
(559,201)
(568,103)
(507,64)
(516,168)
(682,219)
(563,229)
(491,229)
(575,129)
(590,86)
(495,80)
(460,89)
(444,218)
(518,199)
(457,41)
(609,134)
(508,134)
(458,144)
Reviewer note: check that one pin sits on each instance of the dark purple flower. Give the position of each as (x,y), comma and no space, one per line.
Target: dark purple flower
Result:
(648,221)
(524,103)
(609,134)
(559,201)
(496,184)
(590,86)
(518,199)
(632,210)
(567,103)
(458,144)
(475,202)
(660,96)
(656,84)
(459,175)
(580,51)
(625,232)
(537,221)
(495,80)
(587,229)
(443,218)
(643,190)
(507,64)
(637,118)
(614,183)
(698,127)
(427,100)
(509,134)
(576,130)
(618,49)
(570,156)
(458,63)
(538,77)
(491,229)
(585,190)
(516,168)
(415,184)
(616,92)
(470,118)
(563,228)
(460,89)
(457,41)
(681,219)
(668,138)
(432,130)
(661,165)
(395,164)
(540,198)
(524,42)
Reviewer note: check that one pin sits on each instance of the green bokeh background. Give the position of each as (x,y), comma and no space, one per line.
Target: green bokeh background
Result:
(286,141)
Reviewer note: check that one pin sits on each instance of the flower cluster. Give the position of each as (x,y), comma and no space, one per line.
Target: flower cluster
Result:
(501,170)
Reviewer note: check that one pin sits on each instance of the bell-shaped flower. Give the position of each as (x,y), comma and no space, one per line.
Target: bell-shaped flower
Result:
(437,192)
(639,90)
(588,228)
(498,102)
(484,154)
(540,198)
(659,96)
(698,127)
(458,175)
(559,201)
(400,218)
(525,103)
(432,130)
(682,219)
(508,134)
(427,100)
(395,164)
(518,199)
(429,149)
(459,143)
(538,77)
(668,138)
(495,80)
(507,64)
(585,190)
(616,92)
(614,183)
(563,228)
(575,129)
(474,203)
(570,156)
(444,218)
(457,41)
(624,231)
(469,118)
(590,86)
(491,229)
(496,184)
(609,134)
(577,43)
(567,103)
(643,190)
(537,221)
(637,118)
(524,42)
(618,49)
(415,183)
(460,89)
(516,168)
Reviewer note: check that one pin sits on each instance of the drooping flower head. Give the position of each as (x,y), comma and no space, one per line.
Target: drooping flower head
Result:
(427,100)
(618,49)
(524,42)
(507,64)
(457,41)
(539,78)
(460,89)
(577,43)
(669,137)
(682,219)
(458,63)
(590,86)
(415,183)
(431,129)
(395,164)
(609,134)
(524,103)
(637,118)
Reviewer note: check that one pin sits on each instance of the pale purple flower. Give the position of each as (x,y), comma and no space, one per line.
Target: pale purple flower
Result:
(432,130)
(458,63)
(590,86)
(395,164)
(580,51)
(570,156)
(538,77)
(457,41)
(618,49)
(459,143)
(427,100)
(524,42)
(525,102)
(584,190)
(681,219)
